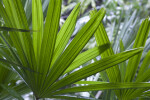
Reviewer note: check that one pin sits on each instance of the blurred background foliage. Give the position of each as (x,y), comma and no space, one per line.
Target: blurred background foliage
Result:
(122,20)
(122,16)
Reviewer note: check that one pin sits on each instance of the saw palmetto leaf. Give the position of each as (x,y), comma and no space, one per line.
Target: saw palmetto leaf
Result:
(18,89)
(15,29)
(68,97)
(144,66)
(86,56)
(37,24)
(14,64)
(102,38)
(139,42)
(103,86)
(93,68)
(66,32)
(47,55)
(122,65)
(90,82)
(134,62)
(49,39)
(11,91)
(71,52)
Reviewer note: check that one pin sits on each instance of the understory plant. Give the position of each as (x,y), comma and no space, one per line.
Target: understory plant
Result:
(122,28)
(45,61)
(126,72)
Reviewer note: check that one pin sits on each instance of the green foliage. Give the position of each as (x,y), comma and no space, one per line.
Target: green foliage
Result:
(129,74)
(45,61)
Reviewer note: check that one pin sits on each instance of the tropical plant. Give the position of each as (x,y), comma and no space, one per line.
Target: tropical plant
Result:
(119,25)
(45,61)
(11,86)
(125,70)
